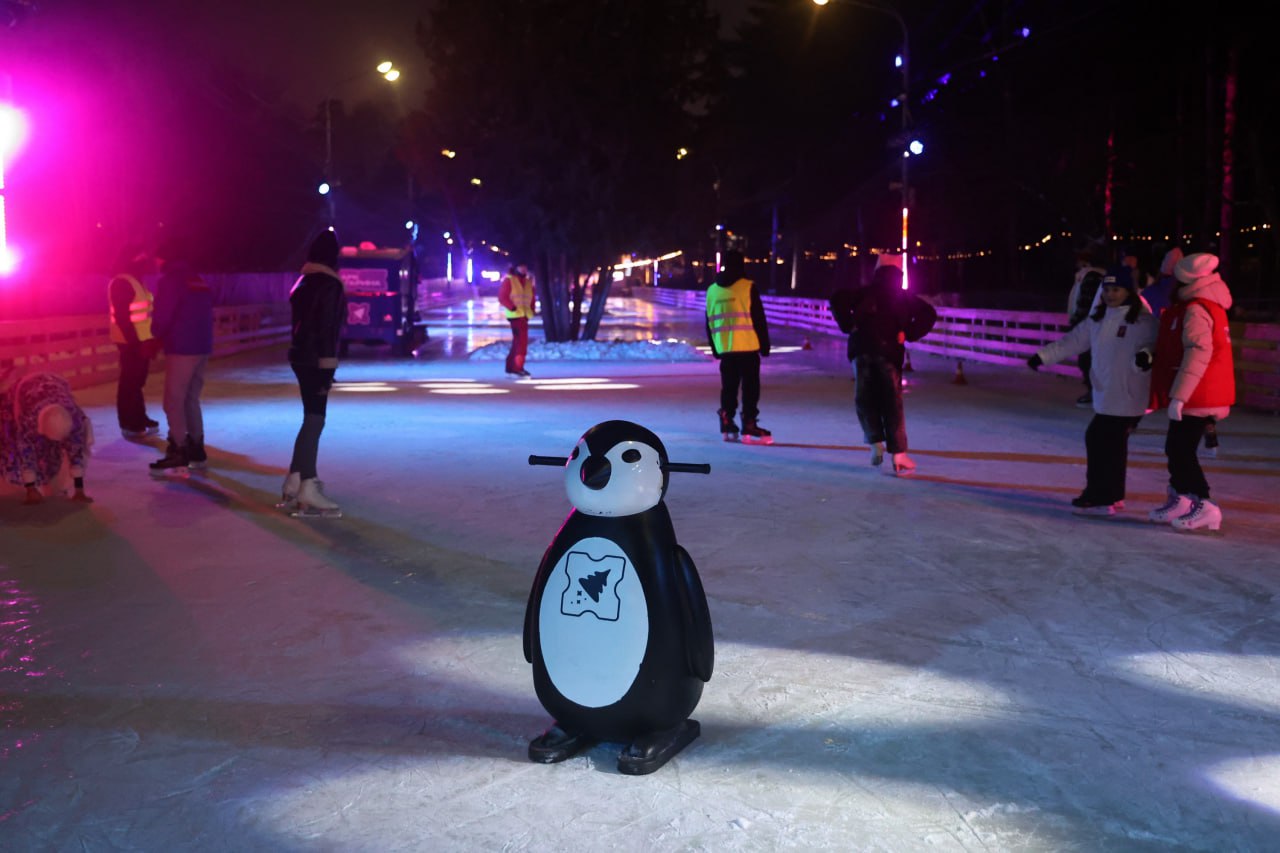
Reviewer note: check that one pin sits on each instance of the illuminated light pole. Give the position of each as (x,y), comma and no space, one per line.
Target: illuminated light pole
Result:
(12,131)
(903,62)
(329,186)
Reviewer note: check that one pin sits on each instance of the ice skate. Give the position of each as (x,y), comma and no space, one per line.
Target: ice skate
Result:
(312,503)
(1175,506)
(1083,501)
(1205,513)
(903,466)
(1099,509)
(649,752)
(728,429)
(173,463)
(877,453)
(197,459)
(289,490)
(753,433)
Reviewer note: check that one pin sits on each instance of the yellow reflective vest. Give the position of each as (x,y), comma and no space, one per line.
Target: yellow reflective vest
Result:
(139,311)
(729,317)
(520,290)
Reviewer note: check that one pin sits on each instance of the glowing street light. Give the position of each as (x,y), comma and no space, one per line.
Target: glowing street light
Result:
(390,73)
(904,101)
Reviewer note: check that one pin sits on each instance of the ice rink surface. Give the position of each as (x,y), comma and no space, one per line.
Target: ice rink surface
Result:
(950,662)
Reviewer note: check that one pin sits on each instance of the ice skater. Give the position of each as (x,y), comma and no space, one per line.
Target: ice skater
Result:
(1119,327)
(739,338)
(879,319)
(318,304)
(1193,374)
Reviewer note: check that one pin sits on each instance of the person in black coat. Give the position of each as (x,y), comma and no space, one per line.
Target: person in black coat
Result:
(318,304)
(879,319)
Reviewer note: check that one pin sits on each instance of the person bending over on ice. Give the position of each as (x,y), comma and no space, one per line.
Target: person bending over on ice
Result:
(1118,328)
(40,424)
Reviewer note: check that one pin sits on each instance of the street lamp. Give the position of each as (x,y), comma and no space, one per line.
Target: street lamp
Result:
(905,103)
(329,186)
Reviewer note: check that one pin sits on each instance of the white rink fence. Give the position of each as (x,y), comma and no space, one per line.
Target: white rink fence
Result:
(1010,337)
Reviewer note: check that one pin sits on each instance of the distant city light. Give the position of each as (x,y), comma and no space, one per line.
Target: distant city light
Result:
(1025,32)
(448,152)
(916,146)
(324,188)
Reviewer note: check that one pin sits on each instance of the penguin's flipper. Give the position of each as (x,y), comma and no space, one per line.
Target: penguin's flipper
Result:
(699,643)
(555,744)
(650,751)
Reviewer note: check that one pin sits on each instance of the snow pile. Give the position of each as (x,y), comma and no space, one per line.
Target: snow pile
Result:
(669,350)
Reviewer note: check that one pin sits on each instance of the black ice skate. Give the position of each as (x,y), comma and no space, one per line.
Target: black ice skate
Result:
(196,456)
(753,433)
(728,429)
(173,463)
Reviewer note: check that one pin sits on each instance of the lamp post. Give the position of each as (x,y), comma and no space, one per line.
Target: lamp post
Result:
(905,103)
(390,73)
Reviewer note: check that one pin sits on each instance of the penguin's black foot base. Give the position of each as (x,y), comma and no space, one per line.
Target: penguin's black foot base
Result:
(555,744)
(649,752)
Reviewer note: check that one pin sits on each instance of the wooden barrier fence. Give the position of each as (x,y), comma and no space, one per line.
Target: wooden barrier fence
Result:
(79,348)
(1010,337)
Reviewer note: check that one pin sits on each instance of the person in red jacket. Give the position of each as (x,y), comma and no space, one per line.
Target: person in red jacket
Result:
(1193,374)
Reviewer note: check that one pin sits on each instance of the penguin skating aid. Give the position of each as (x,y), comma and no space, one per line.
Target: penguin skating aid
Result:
(617,626)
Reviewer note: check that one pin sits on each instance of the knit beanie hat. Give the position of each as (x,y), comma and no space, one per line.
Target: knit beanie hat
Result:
(1119,277)
(1171,258)
(1195,267)
(54,422)
(324,250)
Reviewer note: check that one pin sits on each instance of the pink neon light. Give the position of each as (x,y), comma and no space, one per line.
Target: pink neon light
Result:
(905,259)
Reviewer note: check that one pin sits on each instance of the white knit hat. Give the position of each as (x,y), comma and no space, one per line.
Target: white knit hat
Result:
(1195,267)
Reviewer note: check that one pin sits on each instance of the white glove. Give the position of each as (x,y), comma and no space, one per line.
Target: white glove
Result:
(1175,410)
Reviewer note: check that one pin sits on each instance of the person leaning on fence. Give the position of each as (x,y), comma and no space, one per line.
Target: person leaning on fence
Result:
(1193,375)
(41,428)
(879,320)
(1120,326)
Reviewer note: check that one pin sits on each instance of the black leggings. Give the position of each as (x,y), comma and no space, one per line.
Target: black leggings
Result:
(313,385)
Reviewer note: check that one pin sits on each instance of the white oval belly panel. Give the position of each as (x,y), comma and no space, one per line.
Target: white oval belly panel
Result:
(593,623)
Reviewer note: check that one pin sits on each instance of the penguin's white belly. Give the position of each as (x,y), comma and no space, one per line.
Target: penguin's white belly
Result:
(593,623)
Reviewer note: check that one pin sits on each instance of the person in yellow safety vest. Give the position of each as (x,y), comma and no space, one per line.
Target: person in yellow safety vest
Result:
(130,306)
(518,301)
(739,337)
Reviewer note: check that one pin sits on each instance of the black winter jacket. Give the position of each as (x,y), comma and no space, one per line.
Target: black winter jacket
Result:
(318,304)
(873,316)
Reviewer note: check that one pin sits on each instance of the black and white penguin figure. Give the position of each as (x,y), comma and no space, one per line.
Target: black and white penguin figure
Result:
(617,626)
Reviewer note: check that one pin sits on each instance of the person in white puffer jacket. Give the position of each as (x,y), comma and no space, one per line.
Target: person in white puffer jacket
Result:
(1119,327)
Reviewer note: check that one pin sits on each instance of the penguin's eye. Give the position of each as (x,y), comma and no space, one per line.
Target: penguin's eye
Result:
(574,454)
(631,455)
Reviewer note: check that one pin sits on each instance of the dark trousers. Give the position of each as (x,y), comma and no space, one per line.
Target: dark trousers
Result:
(740,370)
(519,344)
(1106,445)
(131,408)
(313,386)
(877,396)
(1186,477)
